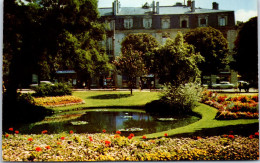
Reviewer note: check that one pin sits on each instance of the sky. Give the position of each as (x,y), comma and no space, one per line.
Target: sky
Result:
(244,9)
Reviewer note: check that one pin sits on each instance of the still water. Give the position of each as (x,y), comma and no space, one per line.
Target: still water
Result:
(112,120)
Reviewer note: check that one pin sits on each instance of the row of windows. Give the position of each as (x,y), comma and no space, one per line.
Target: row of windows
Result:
(165,22)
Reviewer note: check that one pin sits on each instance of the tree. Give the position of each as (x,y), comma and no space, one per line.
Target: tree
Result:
(176,62)
(212,45)
(246,52)
(45,36)
(130,64)
(142,42)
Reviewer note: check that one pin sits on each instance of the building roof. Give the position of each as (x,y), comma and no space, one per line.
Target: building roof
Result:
(163,10)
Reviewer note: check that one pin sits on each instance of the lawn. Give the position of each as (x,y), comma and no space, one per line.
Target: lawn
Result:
(98,99)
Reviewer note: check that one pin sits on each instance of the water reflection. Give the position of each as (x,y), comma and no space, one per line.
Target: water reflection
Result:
(111,121)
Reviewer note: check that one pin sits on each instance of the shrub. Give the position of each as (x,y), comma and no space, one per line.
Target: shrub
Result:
(177,99)
(59,89)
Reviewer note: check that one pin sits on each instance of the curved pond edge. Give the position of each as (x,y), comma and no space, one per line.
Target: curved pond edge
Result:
(207,121)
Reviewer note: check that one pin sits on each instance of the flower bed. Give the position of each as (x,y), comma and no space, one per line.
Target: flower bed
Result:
(237,107)
(58,101)
(107,147)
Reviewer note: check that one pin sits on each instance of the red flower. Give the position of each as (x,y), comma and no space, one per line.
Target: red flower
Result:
(130,137)
(231,136)
(251,136)
(71,132)
(38,149)
(144,137)
(11,129)
(17,132)
(48,147)
(225,136)
(44,131)
(165,134)
(104,131)
(62,138)
(107,143)
(257,134)
(198,137)
(6,135)
(30,139)
(90,139)
(118,132)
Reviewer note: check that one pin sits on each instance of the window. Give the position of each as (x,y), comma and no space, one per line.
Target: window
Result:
(184,24)
(147,22)
(184,21)
(165,23)
(203,20)
(222,20)
(128,23)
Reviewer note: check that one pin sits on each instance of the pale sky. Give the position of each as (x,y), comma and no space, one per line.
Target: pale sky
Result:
(244,9)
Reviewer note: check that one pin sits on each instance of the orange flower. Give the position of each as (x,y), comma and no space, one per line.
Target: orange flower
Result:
(144,137)
(48,147)
(17,132)
(30,139)
(44,131)
(38,149)
(117,136)
(71,132)
(104,131)
(62,138)
(11,129)
(165,134)
(118,132)
(6,135)
(58,143)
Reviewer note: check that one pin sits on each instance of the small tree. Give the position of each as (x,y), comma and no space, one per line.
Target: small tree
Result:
(176,62)
(131,64)
(142,42)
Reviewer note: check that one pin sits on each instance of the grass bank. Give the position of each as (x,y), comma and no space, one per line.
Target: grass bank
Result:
(206,122)
(99,99)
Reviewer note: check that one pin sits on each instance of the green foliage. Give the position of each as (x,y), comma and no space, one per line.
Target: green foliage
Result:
(144,43)
(59,89)
(182,98)
(131,64)
(246,51)
(26,98)
(212,45)
(176,62)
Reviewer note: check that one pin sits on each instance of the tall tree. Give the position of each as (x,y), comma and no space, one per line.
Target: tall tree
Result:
(144,43)
(176,62)
(212,45)
(131,64)
(246,52)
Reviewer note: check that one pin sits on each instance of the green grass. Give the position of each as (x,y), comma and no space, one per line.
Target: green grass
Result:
(98,99)
(207,121)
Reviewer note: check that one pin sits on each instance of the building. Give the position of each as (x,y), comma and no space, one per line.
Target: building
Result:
(162,22)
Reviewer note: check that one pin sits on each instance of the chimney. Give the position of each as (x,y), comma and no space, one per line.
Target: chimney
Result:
(215,6)
(193,6)
(189,3)
(153,5)
(157,8)
(115,7)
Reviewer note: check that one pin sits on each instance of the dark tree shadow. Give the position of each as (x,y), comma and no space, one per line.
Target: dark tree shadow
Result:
(110,96)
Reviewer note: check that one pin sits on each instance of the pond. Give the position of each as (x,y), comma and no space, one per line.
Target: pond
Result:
(95,120)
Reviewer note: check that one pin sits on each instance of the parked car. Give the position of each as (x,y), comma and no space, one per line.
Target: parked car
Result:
(41,83)
(223,85)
